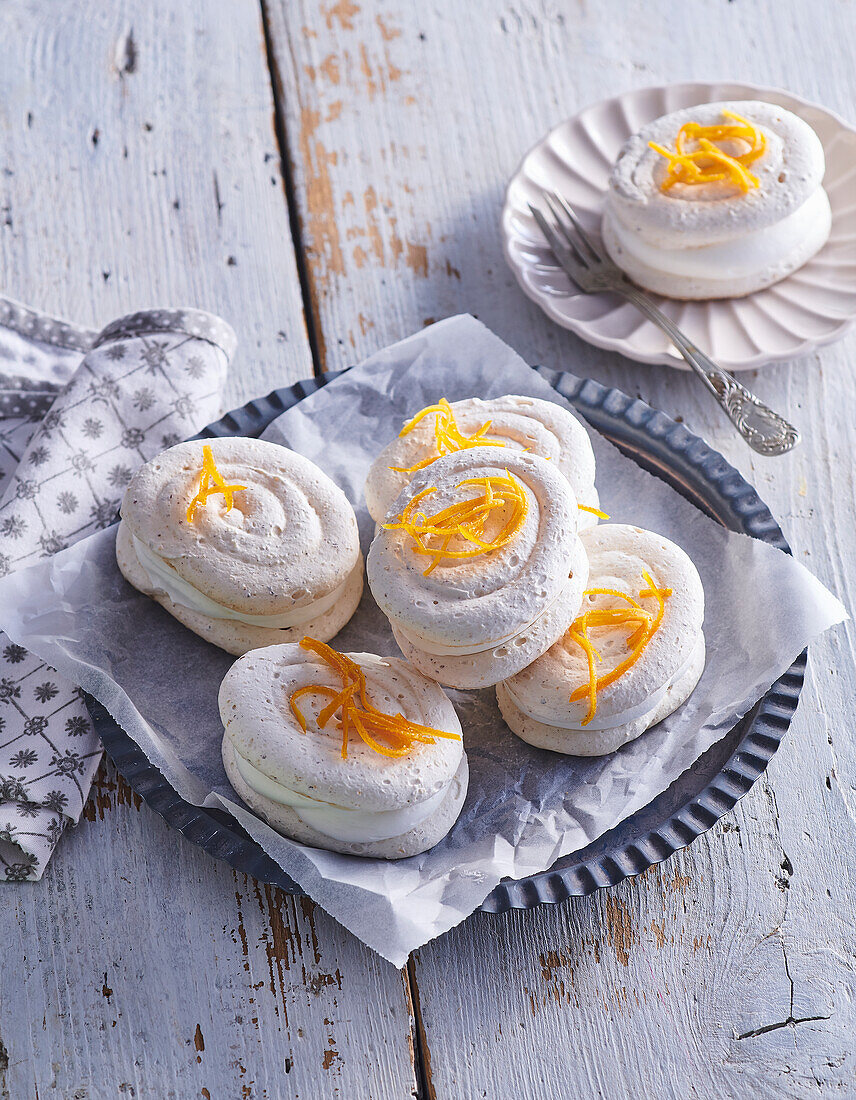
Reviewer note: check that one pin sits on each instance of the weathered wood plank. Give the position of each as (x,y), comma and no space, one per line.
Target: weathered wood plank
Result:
(140,166)
(403,127)
(722,973)
(141,964)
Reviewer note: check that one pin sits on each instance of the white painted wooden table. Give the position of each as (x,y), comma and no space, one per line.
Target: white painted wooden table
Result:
(328,175)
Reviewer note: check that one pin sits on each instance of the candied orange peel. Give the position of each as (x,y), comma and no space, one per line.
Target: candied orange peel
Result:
(212,482)
(465,521)
(705,162)
(448,436)
(397,734)
(594,511)
(643,625)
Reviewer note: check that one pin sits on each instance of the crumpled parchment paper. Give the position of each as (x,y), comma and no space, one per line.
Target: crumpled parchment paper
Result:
(526,807)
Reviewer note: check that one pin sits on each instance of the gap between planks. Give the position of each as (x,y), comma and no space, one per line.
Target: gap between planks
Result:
(289,194)
(421,1052)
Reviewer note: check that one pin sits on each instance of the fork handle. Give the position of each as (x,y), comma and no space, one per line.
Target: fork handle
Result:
(765,431)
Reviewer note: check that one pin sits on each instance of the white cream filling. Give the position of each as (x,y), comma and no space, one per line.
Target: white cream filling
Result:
(739,257)
(340,822)
(608,721)
(165,579)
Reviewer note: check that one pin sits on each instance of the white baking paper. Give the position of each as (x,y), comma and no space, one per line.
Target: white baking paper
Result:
(526,807)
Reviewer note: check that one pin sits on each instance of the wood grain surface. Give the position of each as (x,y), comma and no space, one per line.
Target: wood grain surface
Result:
(141,164)
(139,966)
(730,970)
(140,167)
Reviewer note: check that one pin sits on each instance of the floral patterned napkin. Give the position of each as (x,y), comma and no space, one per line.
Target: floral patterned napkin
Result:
(79,412)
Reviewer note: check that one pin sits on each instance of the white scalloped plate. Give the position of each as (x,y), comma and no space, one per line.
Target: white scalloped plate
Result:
(814,306)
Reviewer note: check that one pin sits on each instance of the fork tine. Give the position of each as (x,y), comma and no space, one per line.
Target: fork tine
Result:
(575,221)
(570,241)
(555,242)
(572,268)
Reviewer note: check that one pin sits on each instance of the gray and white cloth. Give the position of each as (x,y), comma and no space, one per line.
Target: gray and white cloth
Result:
(79,412)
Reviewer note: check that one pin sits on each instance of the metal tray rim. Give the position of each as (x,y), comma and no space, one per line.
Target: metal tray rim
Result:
(641,431)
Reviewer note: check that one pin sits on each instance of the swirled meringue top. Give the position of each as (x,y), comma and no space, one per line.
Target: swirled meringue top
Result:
(289,540)
(254,706)
(618,556)
(522,423)
(491,597)
(789,171)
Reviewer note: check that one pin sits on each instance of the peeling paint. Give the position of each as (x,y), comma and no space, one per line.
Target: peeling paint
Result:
(308,907)
(281,945)
(376,240)
(387,33)
(378,72)
(318,982)
(242,932)
(343,12)
(330,1057)
(324,249)
(109,790)
(396,244)
(372,85)
(198,1042)
(619,929)
(417,259)
(330,68)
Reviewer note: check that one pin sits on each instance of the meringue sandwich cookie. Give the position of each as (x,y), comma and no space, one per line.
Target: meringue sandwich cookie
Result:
(479,566)
(633,655)
(245,542)
(512,422)
(389,796)
(685,222)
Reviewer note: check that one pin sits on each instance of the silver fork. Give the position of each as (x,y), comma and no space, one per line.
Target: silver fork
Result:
(764,430)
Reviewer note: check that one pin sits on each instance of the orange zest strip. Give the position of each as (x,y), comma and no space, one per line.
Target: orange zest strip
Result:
(583,642)
(212,482)
(312,689)
(660,594)
(390,735)
(465,521)
(338,701)
(612,592)
(594,511)
(643,626)
(385,750)
(448,437)
(706,162)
